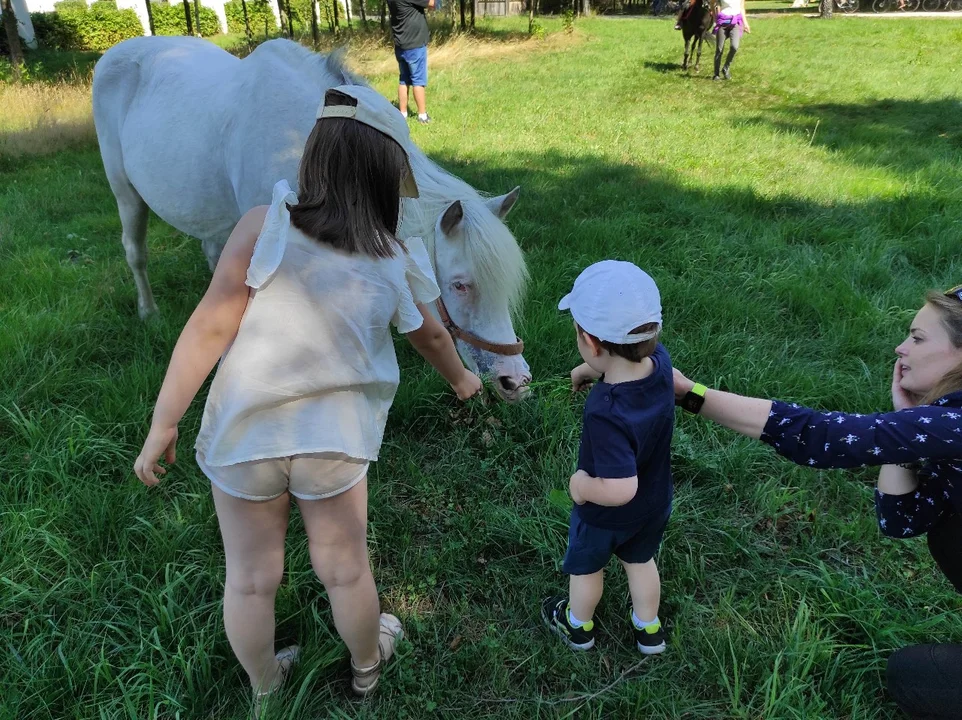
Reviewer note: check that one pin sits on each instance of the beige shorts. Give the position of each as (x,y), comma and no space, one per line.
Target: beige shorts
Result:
(306,477)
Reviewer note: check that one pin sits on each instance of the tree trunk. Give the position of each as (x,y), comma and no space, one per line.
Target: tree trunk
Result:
(247,26)
(150,17)
(337,24)
(383,9)
(314,22)
(530,16)
(347,9)
(826,9)
(290,21)
(197,17)
(190,23)
(464,24)
(363,13)
(472,13)
(13,40)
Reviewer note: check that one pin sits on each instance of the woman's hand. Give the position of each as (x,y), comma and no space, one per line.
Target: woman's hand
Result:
(160,441)
(901,399)
(467,386)
(574,487)
(683,385)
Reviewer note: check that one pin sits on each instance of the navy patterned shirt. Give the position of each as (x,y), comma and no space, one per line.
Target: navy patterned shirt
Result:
(929,437)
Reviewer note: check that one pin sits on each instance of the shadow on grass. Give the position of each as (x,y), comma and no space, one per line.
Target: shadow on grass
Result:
(662,67)
(792,294)
(910,136)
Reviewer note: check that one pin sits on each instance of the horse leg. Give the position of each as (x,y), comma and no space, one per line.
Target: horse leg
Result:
(684,64)
(133,220)
(212,250)
(699,39)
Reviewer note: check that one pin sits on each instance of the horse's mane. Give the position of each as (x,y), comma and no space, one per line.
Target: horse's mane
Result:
(491,249)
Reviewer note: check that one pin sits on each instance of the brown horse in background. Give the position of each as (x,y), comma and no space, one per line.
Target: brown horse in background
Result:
(696,23)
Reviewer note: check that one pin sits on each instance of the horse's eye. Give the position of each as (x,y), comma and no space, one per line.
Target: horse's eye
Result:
(460,286)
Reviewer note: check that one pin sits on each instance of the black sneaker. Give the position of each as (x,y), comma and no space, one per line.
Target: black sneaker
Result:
(554,612)
(650,640)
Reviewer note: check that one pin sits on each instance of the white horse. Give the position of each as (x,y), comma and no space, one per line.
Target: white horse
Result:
(200,137)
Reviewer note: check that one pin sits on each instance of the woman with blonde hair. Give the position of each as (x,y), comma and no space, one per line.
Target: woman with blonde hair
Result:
(919,449)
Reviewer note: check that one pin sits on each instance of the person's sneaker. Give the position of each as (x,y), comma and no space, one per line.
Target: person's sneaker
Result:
(726,73)
(424,119)
(677,26)
(650,640)
(716,77)
(554,612)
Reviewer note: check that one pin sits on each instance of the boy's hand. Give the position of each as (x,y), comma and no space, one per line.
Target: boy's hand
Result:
(582,377)
(468,386)
(574,486)
(160,441)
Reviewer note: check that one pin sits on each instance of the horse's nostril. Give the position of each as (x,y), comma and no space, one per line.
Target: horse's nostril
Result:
(507,383)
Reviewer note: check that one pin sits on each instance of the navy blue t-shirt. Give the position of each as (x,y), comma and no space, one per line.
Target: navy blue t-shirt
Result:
(627,431)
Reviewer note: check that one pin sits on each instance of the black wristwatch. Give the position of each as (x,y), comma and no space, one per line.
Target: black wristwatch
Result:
(694,398)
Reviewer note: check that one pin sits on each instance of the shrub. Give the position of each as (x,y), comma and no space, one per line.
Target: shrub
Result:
(257,12)
(74,26)
(169,19)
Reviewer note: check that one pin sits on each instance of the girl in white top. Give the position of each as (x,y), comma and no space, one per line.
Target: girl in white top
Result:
(300,308)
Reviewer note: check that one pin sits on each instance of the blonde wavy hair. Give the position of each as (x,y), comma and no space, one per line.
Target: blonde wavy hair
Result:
(950,310)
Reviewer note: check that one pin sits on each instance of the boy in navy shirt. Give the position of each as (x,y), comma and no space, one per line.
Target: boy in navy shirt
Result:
(623,488)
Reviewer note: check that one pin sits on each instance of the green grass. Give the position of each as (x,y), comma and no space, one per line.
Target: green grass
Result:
(792,218)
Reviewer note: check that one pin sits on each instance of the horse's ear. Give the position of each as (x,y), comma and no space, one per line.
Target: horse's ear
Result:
(502,204)
(452,218)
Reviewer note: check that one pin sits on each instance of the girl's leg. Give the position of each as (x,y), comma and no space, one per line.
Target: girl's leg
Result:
(719,47)
(645,586)
(736,36)
(337,536)
(253,534)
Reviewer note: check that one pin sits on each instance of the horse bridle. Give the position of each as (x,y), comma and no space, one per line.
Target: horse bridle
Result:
(515,348)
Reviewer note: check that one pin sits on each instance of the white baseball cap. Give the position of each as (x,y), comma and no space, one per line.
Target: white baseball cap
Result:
(373,109)
(611,298)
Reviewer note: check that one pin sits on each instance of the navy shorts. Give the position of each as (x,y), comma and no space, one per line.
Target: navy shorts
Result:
(413,65)
(590,548)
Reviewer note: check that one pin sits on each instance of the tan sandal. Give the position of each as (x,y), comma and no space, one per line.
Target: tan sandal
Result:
(285,660)
(366,679)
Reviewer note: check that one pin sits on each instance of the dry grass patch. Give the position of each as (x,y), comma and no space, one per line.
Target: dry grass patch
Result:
(43,118)
(374,58)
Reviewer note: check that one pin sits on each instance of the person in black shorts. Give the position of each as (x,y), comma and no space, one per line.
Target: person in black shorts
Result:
(623,488)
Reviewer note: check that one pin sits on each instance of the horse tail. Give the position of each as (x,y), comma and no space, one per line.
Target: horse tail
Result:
(337,67)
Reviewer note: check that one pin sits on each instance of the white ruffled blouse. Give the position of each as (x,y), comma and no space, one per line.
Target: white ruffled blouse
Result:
(313,368)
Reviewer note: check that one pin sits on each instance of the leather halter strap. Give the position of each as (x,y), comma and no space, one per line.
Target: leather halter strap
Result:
(515,348)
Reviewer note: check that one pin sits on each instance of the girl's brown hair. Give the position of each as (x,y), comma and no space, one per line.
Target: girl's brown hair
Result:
(349,185)
(950,310)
